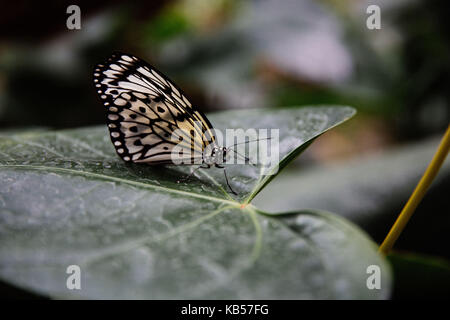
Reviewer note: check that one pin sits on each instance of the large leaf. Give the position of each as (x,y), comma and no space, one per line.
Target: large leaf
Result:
(66,199)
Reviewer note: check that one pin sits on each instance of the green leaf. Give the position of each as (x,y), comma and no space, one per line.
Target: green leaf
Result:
(420,276)
(67,199)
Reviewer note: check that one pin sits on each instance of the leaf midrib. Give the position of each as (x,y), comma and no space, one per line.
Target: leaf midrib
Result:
(121,180)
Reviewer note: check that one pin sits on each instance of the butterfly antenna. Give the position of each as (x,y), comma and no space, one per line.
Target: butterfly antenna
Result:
(244,157)
(256,140)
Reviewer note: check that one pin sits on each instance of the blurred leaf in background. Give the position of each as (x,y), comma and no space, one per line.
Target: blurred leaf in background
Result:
(46,71)
(235,54)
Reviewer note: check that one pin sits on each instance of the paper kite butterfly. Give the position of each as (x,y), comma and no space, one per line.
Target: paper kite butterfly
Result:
(148,116)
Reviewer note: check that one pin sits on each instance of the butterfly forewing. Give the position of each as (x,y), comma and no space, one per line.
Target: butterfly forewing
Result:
(147,114)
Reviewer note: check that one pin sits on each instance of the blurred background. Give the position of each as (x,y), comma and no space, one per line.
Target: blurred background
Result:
(267,53)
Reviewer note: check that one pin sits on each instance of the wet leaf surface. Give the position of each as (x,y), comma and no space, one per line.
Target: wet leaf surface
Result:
(67,199)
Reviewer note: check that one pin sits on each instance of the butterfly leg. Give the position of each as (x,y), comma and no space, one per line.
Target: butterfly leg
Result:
(226,179)
(192,173)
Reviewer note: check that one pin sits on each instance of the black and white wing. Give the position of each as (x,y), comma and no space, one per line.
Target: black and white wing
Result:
(147,114)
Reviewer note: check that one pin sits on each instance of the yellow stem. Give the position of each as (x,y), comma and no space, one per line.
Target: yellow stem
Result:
(418,194)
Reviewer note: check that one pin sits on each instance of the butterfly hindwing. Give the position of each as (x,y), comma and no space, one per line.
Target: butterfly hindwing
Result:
(148,114)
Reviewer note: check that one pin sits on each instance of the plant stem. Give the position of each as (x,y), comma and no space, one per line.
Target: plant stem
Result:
(418,194)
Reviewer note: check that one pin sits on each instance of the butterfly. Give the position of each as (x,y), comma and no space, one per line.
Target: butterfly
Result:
(151,120)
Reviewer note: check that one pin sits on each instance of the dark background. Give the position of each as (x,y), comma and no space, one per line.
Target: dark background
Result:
(248,54)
